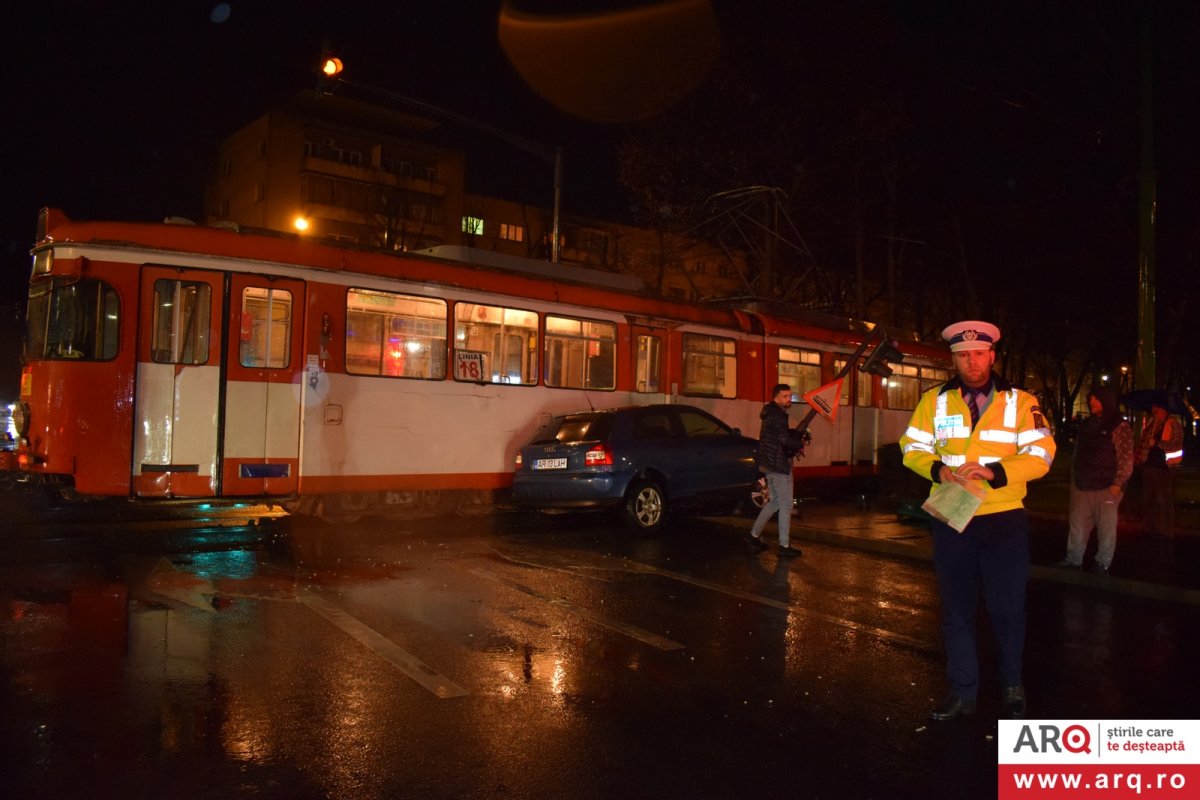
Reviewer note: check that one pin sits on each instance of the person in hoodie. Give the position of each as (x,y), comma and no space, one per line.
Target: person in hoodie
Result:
(1100,468)
(776,465)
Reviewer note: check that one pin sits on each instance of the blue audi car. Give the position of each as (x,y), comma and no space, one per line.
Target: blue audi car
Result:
(639,459)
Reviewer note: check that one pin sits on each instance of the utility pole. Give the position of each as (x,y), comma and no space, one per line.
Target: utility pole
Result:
(1144,377)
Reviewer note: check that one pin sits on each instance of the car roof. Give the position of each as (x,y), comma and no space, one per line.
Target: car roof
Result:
(620,409)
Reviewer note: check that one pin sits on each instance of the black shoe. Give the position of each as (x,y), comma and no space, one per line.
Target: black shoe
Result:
(1096,568)
(1067,563)
(952,708)
(789,551)
(1014,702)
(756,543)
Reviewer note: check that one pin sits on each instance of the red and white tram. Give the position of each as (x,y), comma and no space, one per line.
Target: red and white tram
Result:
(178,361)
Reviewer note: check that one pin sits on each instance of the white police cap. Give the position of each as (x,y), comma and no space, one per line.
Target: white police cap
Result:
(971,334)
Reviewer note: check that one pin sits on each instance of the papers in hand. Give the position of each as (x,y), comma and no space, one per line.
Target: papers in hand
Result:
(955,503)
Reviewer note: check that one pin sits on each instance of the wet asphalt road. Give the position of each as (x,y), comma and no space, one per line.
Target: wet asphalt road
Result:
(520,656)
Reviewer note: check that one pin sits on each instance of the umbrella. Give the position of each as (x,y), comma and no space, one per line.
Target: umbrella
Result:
(1143,399)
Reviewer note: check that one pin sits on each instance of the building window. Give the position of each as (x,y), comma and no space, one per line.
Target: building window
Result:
(512,233)
(395,335)
(472,226)
(580,354)
(800,369)
(709,365)
(493,344)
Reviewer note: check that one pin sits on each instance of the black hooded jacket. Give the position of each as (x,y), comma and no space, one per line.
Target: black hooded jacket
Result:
(771,437)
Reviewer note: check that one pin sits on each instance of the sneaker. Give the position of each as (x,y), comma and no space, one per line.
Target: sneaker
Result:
(1066,562)
(1096,568)
(789,551)
(755,542)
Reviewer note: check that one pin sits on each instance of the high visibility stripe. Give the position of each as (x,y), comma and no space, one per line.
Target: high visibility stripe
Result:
(1175,455)
(917,447)
(941,405)
(988,459)
(994,435)
(1010,409)
(916,434)
(1033,450)
(953,461)
(957,432)
(1025,437)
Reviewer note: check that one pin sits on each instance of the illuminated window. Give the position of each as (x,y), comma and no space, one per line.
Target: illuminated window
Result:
(78,320)
(493,344)
(863,393)
(580,354)
(182,315)
(902,387)
(472,226)
(266,327)
(512,233)
(800,369)
(648,370)
(709,365)
(395,335)
(932,376)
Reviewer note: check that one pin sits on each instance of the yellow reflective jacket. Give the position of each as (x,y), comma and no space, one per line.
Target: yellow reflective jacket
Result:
(1012,438)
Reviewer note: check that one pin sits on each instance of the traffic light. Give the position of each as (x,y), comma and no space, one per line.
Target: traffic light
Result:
(329,70)
(878,362)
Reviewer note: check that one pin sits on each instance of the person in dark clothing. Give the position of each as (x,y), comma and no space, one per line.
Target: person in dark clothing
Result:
(776,465)
(1100,468)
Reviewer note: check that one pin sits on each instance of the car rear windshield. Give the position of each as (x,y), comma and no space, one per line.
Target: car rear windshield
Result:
(575,428)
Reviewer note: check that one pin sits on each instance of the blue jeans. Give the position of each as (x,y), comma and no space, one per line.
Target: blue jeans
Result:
(780,487)
(992,554)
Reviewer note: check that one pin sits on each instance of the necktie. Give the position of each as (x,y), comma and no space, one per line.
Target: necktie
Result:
(973,404)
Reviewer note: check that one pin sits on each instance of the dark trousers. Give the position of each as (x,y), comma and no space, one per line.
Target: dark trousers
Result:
(992,554)
(1158,500)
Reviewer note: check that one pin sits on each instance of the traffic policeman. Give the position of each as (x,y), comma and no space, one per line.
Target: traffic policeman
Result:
(978,429)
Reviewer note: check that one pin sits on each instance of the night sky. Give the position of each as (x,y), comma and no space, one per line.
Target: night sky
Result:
(113,109)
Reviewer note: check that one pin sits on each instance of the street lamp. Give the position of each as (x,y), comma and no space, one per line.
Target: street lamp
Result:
(330,74)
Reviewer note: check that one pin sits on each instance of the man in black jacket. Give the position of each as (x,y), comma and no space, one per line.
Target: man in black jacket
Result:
(1101,466)
(776,465)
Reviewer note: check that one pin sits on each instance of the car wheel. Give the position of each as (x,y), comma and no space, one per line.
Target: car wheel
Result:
(645,507)
(760,495)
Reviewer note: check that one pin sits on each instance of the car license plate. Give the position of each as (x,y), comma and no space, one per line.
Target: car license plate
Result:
(550,463)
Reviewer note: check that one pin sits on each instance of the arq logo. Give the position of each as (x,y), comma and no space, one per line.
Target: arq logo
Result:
(1073,739)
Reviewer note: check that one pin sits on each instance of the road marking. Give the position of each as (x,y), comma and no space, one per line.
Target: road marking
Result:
(881,633)
(653,639)
(385,648)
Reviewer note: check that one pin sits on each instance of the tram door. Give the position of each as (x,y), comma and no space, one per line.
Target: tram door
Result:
(264,379)
(177,397)
(217,402)
(649,360)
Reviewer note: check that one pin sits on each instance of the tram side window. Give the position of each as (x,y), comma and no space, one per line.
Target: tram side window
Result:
(580,354)
(709,365)
(266,328)
(182,311)
(648,361)
(902,387)
(800,369)
(395,335)
(931,377)
(493,344)
(863,396)
(78,320)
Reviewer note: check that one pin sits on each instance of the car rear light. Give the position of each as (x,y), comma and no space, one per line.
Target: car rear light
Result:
(598,456)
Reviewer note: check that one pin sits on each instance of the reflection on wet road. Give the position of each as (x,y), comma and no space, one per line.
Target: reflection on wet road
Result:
(517,656)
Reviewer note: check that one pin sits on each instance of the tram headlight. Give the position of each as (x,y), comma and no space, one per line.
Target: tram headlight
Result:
(20,417)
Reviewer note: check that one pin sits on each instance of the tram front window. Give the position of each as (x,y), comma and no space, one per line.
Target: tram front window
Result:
(76,320)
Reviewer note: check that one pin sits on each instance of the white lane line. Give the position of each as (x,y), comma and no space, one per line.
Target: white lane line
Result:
(919,645)
(653,639)
(385,648)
